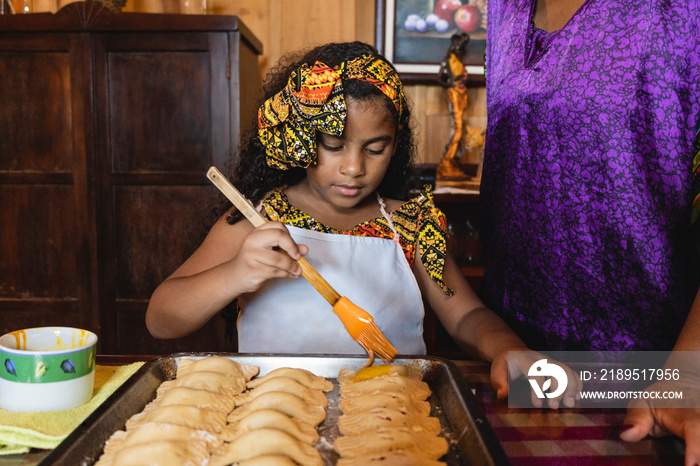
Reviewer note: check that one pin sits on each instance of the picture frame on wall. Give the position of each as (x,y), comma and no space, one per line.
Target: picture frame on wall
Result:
(415,36)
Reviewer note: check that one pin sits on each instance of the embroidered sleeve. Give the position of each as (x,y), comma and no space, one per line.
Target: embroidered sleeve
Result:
(696,178)
(432,239)
(271,207)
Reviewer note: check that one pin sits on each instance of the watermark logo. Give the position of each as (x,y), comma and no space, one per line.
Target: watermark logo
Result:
(604,379)
(542,368)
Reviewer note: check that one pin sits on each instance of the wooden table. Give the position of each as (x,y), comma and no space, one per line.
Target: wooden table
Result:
(566,436)
(528,436)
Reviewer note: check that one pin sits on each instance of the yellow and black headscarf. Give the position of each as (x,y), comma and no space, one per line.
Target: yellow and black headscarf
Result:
(313,101)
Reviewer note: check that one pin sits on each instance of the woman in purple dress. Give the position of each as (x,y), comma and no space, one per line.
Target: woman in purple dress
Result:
(588,181)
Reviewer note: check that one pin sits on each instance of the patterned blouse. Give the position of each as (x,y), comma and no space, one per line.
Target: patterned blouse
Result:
(417,222)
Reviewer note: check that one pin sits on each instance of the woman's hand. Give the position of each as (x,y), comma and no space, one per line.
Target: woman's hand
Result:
(659,417)
(523,363)
(658,421)
(268,251)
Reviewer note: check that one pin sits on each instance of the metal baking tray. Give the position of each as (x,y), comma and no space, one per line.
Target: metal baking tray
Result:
(471,439)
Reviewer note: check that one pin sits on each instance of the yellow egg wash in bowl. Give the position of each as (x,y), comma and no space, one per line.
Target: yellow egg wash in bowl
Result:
(46,368)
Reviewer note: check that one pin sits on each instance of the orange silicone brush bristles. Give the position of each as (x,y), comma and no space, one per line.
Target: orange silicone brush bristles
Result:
(361,327)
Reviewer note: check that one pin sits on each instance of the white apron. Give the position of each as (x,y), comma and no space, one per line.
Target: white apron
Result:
(290,316)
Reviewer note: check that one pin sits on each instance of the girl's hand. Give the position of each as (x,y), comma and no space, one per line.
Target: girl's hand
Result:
(520,365)
(268,251)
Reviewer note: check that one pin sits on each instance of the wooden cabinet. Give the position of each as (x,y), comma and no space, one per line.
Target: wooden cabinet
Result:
(108,123)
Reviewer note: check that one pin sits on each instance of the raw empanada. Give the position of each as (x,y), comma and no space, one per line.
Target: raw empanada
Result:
(390,458)
(268,460)
(205,380)
(219,364)
(286,403)
(152,431)
(194,397)
(375,418)
(161,453)
(183,415)
(273,419)
(391,439)
(303,376)
(371,372)
(266,442)
(288,385)
(416,389)
(396,400)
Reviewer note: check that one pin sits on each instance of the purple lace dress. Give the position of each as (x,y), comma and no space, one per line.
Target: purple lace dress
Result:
(587,184)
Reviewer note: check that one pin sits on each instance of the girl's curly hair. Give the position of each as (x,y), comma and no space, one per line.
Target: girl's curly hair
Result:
(250,172)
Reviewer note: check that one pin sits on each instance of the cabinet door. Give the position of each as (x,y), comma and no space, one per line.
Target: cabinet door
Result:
(163,118)
(47,242)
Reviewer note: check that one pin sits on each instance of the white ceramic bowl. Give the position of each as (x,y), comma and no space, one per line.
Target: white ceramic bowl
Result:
(46,368)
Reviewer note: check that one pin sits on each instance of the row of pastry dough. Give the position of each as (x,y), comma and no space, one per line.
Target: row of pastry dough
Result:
(183,425)
(274,421)
(386,418)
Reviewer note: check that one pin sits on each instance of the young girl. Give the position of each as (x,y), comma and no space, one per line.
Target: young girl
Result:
(328,165)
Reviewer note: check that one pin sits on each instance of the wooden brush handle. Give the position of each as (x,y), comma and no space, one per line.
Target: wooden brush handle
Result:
(235,196)
(318,282)
(256,218)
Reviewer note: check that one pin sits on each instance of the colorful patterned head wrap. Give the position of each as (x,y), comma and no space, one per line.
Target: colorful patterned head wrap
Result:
(313,101)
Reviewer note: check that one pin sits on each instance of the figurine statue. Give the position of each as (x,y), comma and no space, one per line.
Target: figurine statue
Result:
(453,75)
(473,140)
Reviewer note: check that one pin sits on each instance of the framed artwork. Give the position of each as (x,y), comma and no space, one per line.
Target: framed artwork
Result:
(415,35)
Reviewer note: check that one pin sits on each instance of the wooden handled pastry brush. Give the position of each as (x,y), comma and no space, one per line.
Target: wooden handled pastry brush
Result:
(358,322)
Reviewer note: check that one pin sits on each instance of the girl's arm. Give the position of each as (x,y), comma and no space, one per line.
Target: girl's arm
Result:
(475,328)
(481,333)
(232,260)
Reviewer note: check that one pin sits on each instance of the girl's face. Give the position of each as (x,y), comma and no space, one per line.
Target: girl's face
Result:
(351,167)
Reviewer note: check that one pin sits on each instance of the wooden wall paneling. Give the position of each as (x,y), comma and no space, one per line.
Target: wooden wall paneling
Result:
(287,26)
(39,6)
(277,24)
(256,16)
(435,137)
(365,20)
(38,248)
(244,74)
(153,224)
(431,111)
(36,86)
(205,339)
(304,24)
(164,103)
(155,237)
(85,182)
(417,103)
(46,249)
(160,104)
